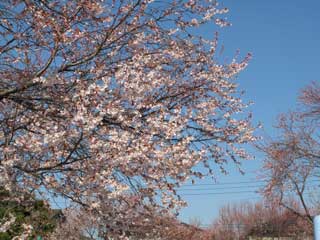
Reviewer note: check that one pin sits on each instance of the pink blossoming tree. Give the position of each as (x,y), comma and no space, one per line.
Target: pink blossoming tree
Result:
(293,158)
(111,104)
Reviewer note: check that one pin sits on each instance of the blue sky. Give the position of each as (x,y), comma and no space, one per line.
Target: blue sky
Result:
(284,38)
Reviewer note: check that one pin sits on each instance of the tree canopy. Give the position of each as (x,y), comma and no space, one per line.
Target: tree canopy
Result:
(111,104)
(292,159)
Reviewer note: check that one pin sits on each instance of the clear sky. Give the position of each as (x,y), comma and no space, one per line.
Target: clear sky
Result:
(284,38)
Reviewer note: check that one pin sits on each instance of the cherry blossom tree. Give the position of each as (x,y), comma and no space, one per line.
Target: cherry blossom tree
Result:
(111,104)
(79,225)
(293,159)
(261,219)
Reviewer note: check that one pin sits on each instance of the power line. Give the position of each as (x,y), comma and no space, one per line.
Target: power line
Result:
(220,188)
(233,183)
(217,193)
(226,188)
(226,183)
(221,193)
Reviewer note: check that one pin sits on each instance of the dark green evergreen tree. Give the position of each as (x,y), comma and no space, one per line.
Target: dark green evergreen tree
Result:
(26,209)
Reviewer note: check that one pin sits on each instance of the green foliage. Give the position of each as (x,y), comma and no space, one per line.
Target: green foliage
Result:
(27,210)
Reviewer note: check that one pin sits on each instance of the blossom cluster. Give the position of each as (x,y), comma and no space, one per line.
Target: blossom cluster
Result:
(111,104)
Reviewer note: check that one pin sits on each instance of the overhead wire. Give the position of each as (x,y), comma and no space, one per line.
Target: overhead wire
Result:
(253,181)
(216,193)
(219,188)
(225,183)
